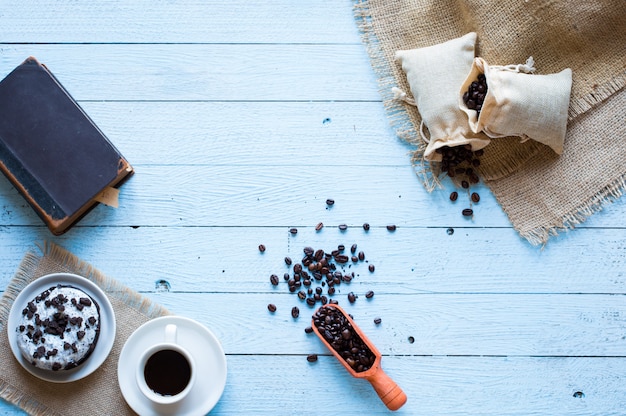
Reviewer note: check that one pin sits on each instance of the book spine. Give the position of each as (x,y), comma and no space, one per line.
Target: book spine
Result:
(29,186)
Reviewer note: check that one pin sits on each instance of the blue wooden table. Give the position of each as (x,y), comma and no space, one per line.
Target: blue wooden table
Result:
(241,119)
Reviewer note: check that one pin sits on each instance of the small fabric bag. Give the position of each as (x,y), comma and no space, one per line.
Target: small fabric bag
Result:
(434,74)
(520,103)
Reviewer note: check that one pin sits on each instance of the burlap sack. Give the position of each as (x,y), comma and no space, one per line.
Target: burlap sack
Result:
(519,103)
(434,74)
(542,194)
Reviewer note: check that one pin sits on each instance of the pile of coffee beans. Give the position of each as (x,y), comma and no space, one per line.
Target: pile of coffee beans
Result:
(341,336)
(316,278)
(474,97)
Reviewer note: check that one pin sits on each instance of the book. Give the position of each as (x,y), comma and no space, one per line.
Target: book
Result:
(51,151)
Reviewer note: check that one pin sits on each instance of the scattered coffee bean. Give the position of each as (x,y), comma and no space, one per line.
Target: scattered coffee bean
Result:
(308,329)
(288,261)
(468,212)
(293,231)
(295,312)
(391,228)
(337,330)
(271,307)
(274,279)
(302,295)
(319,226)
(361,255)
(454,196)
(262,248)
(353,249)
(352,297)
(311,358)
(475,197)
(330,202)
(371,268)
(369,294)
(366,227)
(464,184)
(377,321)
(343,227)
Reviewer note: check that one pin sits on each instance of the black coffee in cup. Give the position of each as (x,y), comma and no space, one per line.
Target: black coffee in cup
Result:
(167,372)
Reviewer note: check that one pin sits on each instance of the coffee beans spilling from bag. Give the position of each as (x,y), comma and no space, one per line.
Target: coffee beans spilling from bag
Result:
(339,333)
(474,97)
(460,163)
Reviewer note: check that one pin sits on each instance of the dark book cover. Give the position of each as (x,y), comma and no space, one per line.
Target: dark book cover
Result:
(50,149)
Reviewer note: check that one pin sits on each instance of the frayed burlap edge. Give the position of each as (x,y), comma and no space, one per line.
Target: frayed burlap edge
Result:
(540,236)
(69,263)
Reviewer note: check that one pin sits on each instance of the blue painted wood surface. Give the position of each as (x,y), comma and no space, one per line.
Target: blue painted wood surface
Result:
(241,119)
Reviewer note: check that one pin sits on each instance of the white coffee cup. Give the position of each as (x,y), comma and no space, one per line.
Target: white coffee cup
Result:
(166,372)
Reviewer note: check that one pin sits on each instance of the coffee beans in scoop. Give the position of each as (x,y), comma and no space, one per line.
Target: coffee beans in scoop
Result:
(339,333)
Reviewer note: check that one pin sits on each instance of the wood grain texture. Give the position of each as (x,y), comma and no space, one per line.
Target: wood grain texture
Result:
(241,119)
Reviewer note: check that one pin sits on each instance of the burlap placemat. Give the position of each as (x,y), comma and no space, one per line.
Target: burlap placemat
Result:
(540,193)
(99,392)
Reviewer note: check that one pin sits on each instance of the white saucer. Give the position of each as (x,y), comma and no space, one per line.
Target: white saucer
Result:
(107,326)
(206,351)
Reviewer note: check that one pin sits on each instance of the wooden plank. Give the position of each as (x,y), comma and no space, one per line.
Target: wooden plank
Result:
(409,262)
(427,324)
(285,195)
(222,72)
(251,133)
(195,21)
(449,386)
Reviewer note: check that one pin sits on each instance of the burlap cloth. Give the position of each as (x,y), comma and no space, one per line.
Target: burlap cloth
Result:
(541,193)
(98,393)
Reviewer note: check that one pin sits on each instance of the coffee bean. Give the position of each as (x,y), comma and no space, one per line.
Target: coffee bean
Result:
(377,321)
(353,248)
(319,254)
(330,202)
(262,248)
(286,277)
(343,227)
(371,268)
(354,259)
(319,226)
(293,231)
(369,294)
(352,297)
(361,256)
(475,197)
(295,312)
(310,301)
(288,261)
(366,226)
(454,196)
(341,259)
(302,295)
(468,212)
(308,251)
(311,358)
(271,307)
(391,228)
(341,247)
(464,184)
(274,279)
(308,329)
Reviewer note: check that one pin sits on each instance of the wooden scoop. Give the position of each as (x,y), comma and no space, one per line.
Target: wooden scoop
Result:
(389,392)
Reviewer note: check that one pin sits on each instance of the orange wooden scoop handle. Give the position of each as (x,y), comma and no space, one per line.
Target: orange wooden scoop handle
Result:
(389,392)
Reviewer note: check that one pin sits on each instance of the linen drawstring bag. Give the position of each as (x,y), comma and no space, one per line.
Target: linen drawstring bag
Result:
(434,74)
(520,103)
